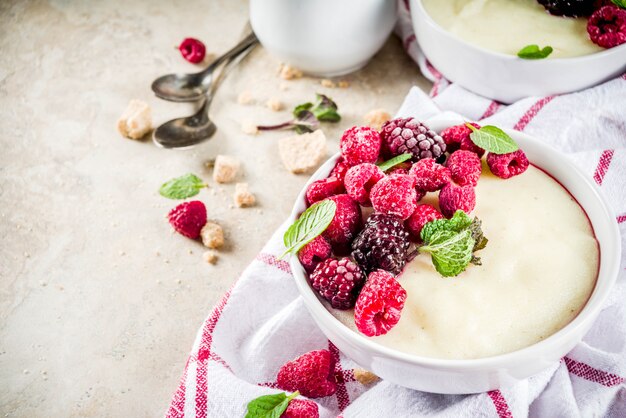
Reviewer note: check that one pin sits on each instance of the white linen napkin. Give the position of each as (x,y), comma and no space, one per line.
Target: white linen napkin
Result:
(261,323)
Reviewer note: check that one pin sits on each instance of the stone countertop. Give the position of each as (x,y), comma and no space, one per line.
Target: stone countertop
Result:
(100,301)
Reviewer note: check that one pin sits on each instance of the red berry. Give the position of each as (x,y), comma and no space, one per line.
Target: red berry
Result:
(193,50)
(379,304)
(429,176)
(188,218)
(321,189)
(313,374)
(345,225)
(360,145)
(458,137)
(314,253)
(340,170)
(301,408)
(422,215)
(465,167)
(338,281)
(398,170)
(607,26)
(507,165)
(409,135)
(359,182)
(453,198)
(395,195)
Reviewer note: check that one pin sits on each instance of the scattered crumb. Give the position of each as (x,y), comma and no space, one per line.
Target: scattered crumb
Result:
(327,83)
(302,153)
(283,87)
(226,169)
(365,377)
(26,371)
(275,104)
(209,164)
(243,197)
(376,118)
(344,84)
(249,128)
(210,256)
(136,121)
(245,98)
(231,206)
(288,72)
(43,284)
(212,235)
(178,281)
(190,251)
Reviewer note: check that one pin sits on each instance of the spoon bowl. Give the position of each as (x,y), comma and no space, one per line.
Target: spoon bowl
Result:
(186,132)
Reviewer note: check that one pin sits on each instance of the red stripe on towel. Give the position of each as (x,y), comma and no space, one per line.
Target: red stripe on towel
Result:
(621,218)
(502,408)
(343,400)
(177,406)
(407,42)
(532,112)
(603,166)
(587,372)
(272,260)
(491,110)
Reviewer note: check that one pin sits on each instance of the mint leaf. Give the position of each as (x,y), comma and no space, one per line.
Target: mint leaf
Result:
(620,3)
(325,109)
(492,139)
(182,187)
(386,165)
(451,251)
(301,107)
(269,406)
(309,225)
(305,122)
(457,223)
(533,52)
(307,116)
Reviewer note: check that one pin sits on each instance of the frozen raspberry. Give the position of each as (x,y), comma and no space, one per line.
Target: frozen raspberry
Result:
(359,181)
(340,170)
(507,165)
(338,281)
(193,50)
(453,198)
(188,218)
(301,408)
(345,225)
(395,195)
(422,215)
(399,169)
(313,374)
(465,167)
(571,8)
(379,304)
(607,26)
(408,135)
(321,189)
(382,244)
(458,137)
(314,253)
(429,176)
(360,145)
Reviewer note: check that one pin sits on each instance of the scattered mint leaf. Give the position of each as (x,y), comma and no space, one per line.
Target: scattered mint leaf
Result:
(451,251)
(620,3)
(452,242)
(182,187)
(386,165)
(309,225)
(533,52)
(307,116)
(492,139)
(269,406)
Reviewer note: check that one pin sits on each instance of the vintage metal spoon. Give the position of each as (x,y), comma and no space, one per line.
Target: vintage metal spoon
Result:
(193,87)
(191,130)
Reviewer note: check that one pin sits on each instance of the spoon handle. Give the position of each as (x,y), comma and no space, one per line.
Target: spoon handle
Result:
(224,69)
(250,39)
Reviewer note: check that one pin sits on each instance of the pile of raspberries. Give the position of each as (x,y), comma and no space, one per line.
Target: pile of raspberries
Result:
(354,263)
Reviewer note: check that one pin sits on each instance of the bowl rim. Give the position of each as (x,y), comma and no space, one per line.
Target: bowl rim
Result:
(534,351)
(580,58)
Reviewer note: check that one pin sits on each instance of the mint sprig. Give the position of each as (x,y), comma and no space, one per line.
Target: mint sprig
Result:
(492,139)
(269,406)
(533,52)
(452,243)
(386,165)
(182,187)
(307,116)
(620,3)
(309,225)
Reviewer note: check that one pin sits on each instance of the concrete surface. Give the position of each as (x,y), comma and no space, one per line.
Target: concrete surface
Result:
(99,300)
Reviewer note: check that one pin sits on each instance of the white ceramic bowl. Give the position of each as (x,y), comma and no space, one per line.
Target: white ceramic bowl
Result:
(323,37)
(479,375)
(507,78)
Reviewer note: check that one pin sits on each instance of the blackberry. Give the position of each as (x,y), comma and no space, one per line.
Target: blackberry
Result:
(382,244)
(571,8)
(409,135)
